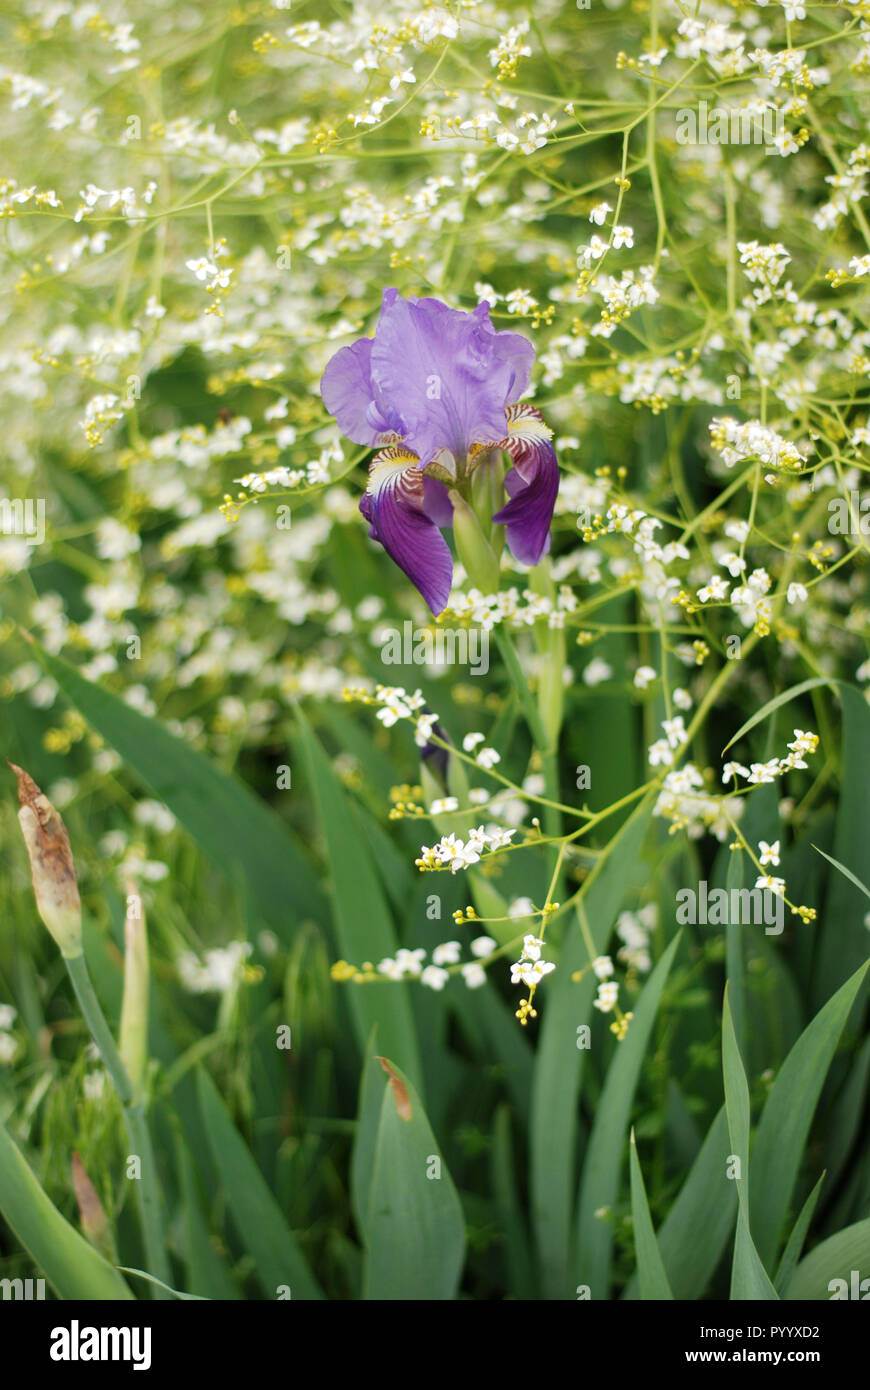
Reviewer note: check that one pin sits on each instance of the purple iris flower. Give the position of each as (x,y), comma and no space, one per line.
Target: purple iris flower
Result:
(437,391)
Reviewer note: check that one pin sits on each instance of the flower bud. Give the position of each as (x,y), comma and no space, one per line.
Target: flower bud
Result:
(51,865)
(474,550)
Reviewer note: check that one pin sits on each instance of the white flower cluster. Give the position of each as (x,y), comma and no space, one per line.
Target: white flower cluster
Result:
(408,964)
(633,929)
(758,773)
(736,442)
(684,802)
(218,973)
(460,854)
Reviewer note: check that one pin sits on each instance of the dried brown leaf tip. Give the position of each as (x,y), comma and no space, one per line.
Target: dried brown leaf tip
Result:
(51,865)
(404,1108)
(95,1223)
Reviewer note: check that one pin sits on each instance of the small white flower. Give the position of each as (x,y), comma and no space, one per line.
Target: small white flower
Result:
(608,993)
(447,954)
(483,946)
(769,854)
(474,975)
(603,967)
(433,978)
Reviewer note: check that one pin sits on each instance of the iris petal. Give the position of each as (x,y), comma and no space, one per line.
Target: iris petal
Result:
(395,507)
(448,373)
(532,485)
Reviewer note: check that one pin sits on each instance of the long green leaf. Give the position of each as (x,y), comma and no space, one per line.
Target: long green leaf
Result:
(695,1231)
(843,941)
(599,1185)
(256,1215)
(231,825)
(559,1061)
(415,1227)
(776,703)
(70,1264)
(748,1276)
(787,1115)
(362,916)
(795,1243)
(650,1267)
(835,1258)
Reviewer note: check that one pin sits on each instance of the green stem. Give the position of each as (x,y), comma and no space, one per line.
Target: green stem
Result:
(134,1119)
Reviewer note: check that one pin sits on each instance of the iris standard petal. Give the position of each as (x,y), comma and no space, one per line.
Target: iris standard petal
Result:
(447,373)
(350,396)
(532,485)
(395,508)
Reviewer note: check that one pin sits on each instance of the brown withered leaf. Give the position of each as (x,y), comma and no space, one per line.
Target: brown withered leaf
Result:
(95,1223)
(400,1090)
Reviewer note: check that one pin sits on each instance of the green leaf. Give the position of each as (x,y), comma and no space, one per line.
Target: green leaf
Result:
(748,1276)
(843,943)
(206,1270)
(695,1231)
(362,917)
(602,1162)
(650,1268)
(776,703)
(853,878)
(835,1258)
(510,1209)
(415,1226)
(158,1283)
(559,1062)
(231,825)
(787,1115)
(255,1214)
(795,1243)
(70,1264)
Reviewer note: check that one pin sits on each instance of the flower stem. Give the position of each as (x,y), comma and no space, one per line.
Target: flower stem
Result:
(134,1119)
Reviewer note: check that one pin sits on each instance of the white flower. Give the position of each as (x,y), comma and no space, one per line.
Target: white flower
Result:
(769,854)
(596,672)
(643,675)
(608,993)
(447,954)
(598,214)
(532,947)
(483,946)
(474,975)
(7,1017)
(796,593)
(774,885)
(470,742)
(603,967)
(488,757)
(734,770)
(433,978)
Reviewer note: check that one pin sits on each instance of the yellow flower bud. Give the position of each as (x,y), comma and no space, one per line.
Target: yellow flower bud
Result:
(51,865)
